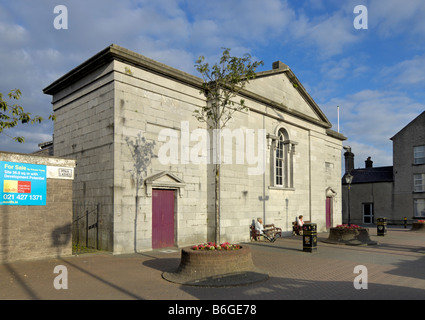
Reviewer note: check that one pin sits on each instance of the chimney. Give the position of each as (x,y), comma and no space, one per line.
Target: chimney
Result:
(368,163)
(349,160)
(279,65)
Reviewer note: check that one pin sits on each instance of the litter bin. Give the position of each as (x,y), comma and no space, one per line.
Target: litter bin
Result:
(309,237)
(381,226)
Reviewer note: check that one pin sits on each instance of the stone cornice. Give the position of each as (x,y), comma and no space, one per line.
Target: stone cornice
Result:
(115,52)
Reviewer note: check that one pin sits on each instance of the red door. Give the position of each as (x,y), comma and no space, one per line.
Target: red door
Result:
(162,218)
(328,212)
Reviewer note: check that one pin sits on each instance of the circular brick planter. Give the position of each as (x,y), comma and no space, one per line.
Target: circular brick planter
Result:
(349,236)
(216,268)
(418,226)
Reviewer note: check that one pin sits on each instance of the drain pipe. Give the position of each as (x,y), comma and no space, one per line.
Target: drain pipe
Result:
(264,174)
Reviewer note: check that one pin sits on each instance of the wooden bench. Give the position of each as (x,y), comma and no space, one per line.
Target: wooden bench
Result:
(269,229)
(254,234)
(273,231)
(296,230)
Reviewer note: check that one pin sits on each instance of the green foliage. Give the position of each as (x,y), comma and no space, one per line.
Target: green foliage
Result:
(222,83)
(13,114)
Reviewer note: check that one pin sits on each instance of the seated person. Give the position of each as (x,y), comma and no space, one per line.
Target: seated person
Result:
(260,228)
(299,222)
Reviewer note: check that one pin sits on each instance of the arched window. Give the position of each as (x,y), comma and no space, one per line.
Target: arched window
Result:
(280,161)
(284,161)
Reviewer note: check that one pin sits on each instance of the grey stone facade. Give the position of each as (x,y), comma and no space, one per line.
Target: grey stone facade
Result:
(118,99)
(371,195)
(408,143)
(395,192)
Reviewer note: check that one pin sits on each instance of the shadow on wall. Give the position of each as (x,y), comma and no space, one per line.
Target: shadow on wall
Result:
(61,237)
(142,153)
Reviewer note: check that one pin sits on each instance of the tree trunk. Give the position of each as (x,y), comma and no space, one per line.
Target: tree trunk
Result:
(217,203)
(136,214)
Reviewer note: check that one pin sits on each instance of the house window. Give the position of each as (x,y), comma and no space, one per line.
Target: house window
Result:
(368,215)
(283,160)
(280,161)
(419,155)
(419,182)
(419,208)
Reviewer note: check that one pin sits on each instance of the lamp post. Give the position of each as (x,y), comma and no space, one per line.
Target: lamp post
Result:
(348,180)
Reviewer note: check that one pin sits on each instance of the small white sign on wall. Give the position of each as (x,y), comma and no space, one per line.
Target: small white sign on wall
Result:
(60,173)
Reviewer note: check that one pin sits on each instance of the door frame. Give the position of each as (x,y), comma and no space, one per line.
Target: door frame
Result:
(329,194)
(166,180)
(330,213)
(174,214)
(371,214)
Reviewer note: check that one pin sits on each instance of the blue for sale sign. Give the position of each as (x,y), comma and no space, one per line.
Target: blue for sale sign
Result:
(22,184)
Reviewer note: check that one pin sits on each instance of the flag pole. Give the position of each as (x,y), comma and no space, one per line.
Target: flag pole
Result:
(338,118)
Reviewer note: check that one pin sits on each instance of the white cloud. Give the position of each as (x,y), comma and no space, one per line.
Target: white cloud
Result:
(12,34)
(330,35)
(369,118)
(380,156)
(394,17)
(346,67)
(251,20)
(406,73)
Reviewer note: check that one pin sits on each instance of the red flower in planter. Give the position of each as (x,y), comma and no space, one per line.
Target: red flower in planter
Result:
(214,246)
(348,227)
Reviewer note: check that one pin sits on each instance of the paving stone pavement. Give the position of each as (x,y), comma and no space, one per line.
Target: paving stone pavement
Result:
(395,271)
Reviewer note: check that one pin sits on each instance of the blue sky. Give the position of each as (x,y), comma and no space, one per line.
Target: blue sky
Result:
(375,75)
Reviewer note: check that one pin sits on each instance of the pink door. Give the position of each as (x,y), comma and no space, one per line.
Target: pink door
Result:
(328,212)
(162,218)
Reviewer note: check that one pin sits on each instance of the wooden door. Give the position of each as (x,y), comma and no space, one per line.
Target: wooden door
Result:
(162,218)
(328,212)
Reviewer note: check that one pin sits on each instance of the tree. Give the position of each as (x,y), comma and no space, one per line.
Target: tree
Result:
(13,114)
(222,83)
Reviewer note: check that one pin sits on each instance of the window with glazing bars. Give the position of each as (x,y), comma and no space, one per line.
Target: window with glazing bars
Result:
(419,182)
(279,159)
(419,155)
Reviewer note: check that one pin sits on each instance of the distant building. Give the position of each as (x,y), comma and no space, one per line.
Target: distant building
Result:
(370,192)
(119,111)
(45,149)
(394,192)
(409,169)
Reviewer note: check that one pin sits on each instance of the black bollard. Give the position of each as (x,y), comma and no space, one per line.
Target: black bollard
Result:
(381,225)
(309,237)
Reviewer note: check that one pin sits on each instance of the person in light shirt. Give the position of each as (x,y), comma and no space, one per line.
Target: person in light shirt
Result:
(298,227)
(260,228)
(300,221)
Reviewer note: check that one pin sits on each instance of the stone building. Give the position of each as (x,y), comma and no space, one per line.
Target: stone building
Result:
(371,192)
(146,161)
(409,169)
(394,192)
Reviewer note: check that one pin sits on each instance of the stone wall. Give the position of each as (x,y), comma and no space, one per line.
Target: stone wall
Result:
(380,194)
(34,232)
(84,131)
